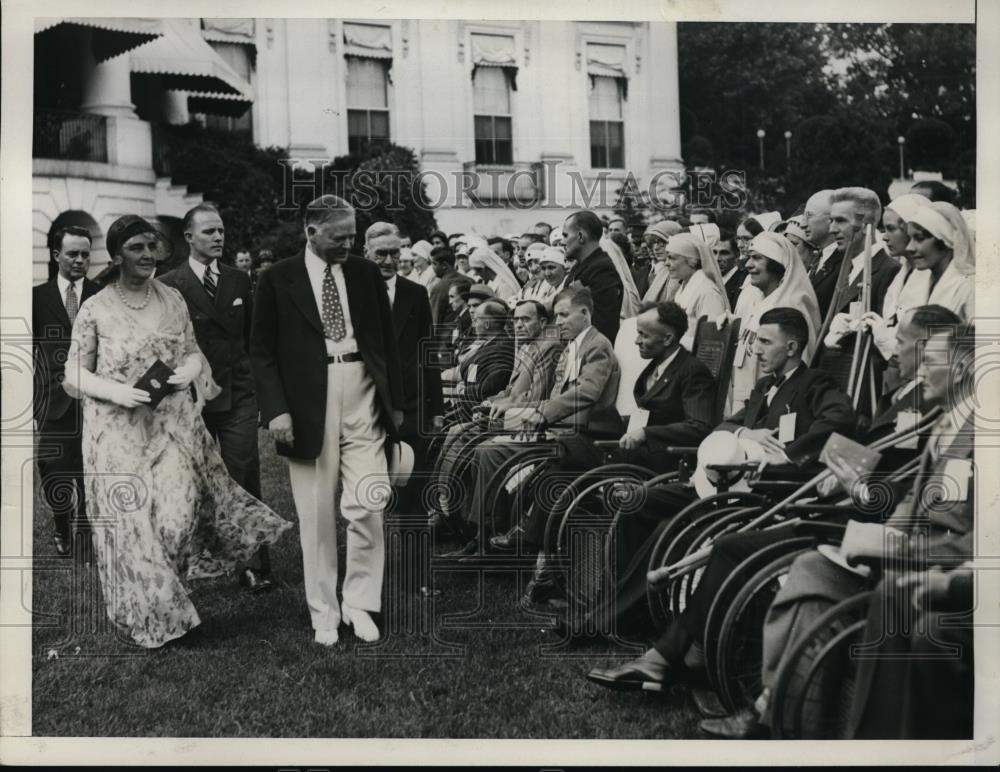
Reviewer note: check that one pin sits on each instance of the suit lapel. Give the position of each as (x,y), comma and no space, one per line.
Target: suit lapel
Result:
(226,292)
(194,291)
(55,300)
(666,377)
(302,294)
(401,307)
(355,304)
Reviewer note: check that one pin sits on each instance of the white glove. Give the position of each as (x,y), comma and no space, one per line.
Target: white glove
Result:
(123,394)
(883,336)
(839,327)
(186,373)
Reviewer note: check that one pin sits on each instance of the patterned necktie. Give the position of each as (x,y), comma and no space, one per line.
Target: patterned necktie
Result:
(561,367)
(210,286)
(72,302)
(334,326)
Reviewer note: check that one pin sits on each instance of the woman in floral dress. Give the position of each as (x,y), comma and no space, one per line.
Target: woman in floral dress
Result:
(163,507)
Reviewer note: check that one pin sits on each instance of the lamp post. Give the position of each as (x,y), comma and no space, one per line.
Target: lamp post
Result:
(788,151)
(902,172)
(760,139)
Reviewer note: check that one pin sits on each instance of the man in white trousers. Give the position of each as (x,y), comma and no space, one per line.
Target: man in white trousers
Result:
(330,392)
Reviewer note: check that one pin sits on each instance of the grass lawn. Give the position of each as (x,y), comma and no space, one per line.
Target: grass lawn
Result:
(469,664)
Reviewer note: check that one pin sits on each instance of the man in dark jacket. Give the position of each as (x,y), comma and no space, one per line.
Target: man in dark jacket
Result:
(594,270)
(330,391)
(220,302)
(54,306)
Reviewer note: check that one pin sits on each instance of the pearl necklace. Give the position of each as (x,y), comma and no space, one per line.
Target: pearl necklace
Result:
(145,302)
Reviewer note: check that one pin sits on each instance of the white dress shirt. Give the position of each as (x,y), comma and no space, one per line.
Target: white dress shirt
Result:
(572,351)
(660,369)
(316,267)
(390,287)
(63,283)
(199,269)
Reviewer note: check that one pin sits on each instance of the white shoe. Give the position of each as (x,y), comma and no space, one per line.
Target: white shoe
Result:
(362,623)
(327,637)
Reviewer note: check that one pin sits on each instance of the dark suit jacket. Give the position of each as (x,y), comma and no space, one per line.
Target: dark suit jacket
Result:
(884,269)
(411,321)
(824,281)
(681,403)
(494,363)
(222,328)
(288,351)
(733,286)
(51,333)
(820,409)
(640,274)
(441,312)
(598,274)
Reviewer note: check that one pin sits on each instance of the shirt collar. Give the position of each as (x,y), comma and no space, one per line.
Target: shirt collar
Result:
(902,391)
(199,267)
(662,367)
(63,283)
(391,283)
(578,340)
(318,263)
(730,272)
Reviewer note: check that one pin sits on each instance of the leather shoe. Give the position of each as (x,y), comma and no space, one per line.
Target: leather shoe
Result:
(254,581)
(470,548)
(539,590)
(61,544)
(637,675)
(742,725)
(510,541)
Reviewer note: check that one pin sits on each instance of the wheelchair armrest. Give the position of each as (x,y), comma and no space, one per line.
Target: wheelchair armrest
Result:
(679,450)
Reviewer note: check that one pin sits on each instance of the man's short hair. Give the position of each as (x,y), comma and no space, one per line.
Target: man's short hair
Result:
(752,225)
(669,314)
(462,285)
(865,201)
(377,229)
(932,318)
(56,239)
(494,309)
(541,310)
(727,236)
(589,223)
(438,235)
(326,208)
(265,254)
(791,322)
(621,241)
(505,245)
(535,237)
(443,254)
(578,297)
(193,212)
(936,190)
(544,225)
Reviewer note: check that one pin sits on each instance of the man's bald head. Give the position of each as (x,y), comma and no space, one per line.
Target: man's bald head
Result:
(817,216)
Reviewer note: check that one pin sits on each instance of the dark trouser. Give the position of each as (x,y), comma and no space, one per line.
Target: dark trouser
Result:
(915,675)
(577,455)
(727,553)
(60,470)
(236,432)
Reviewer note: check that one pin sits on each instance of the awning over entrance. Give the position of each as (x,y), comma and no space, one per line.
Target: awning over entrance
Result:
(109,37)
(183,60)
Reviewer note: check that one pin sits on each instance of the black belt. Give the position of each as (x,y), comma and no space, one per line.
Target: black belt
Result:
(353,356)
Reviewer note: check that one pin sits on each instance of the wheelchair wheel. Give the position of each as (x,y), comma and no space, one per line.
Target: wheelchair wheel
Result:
(713,530)
(733,630)
(665,550)
(495,493)
(815,684)
(584,536)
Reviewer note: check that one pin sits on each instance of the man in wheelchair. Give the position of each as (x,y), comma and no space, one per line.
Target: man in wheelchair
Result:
(586,379)
(930,526)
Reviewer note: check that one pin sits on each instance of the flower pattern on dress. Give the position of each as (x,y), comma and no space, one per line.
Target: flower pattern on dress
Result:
(163,507)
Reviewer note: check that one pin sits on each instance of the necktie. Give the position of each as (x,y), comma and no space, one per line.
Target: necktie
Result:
(561,366)
(72,302)
(210,286)
(334,326)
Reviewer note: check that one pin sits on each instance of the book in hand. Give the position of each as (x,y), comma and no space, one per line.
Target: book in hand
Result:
(154,381)
(862,459)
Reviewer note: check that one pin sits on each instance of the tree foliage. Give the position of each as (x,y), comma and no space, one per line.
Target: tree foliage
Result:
(844,91)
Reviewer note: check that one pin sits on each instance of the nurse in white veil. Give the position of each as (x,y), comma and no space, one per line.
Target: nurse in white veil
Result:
(700,292)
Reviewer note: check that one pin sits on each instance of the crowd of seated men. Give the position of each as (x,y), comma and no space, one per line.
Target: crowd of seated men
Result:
(586,336)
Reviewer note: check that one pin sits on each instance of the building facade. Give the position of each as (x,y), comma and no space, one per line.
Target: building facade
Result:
(513,122)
